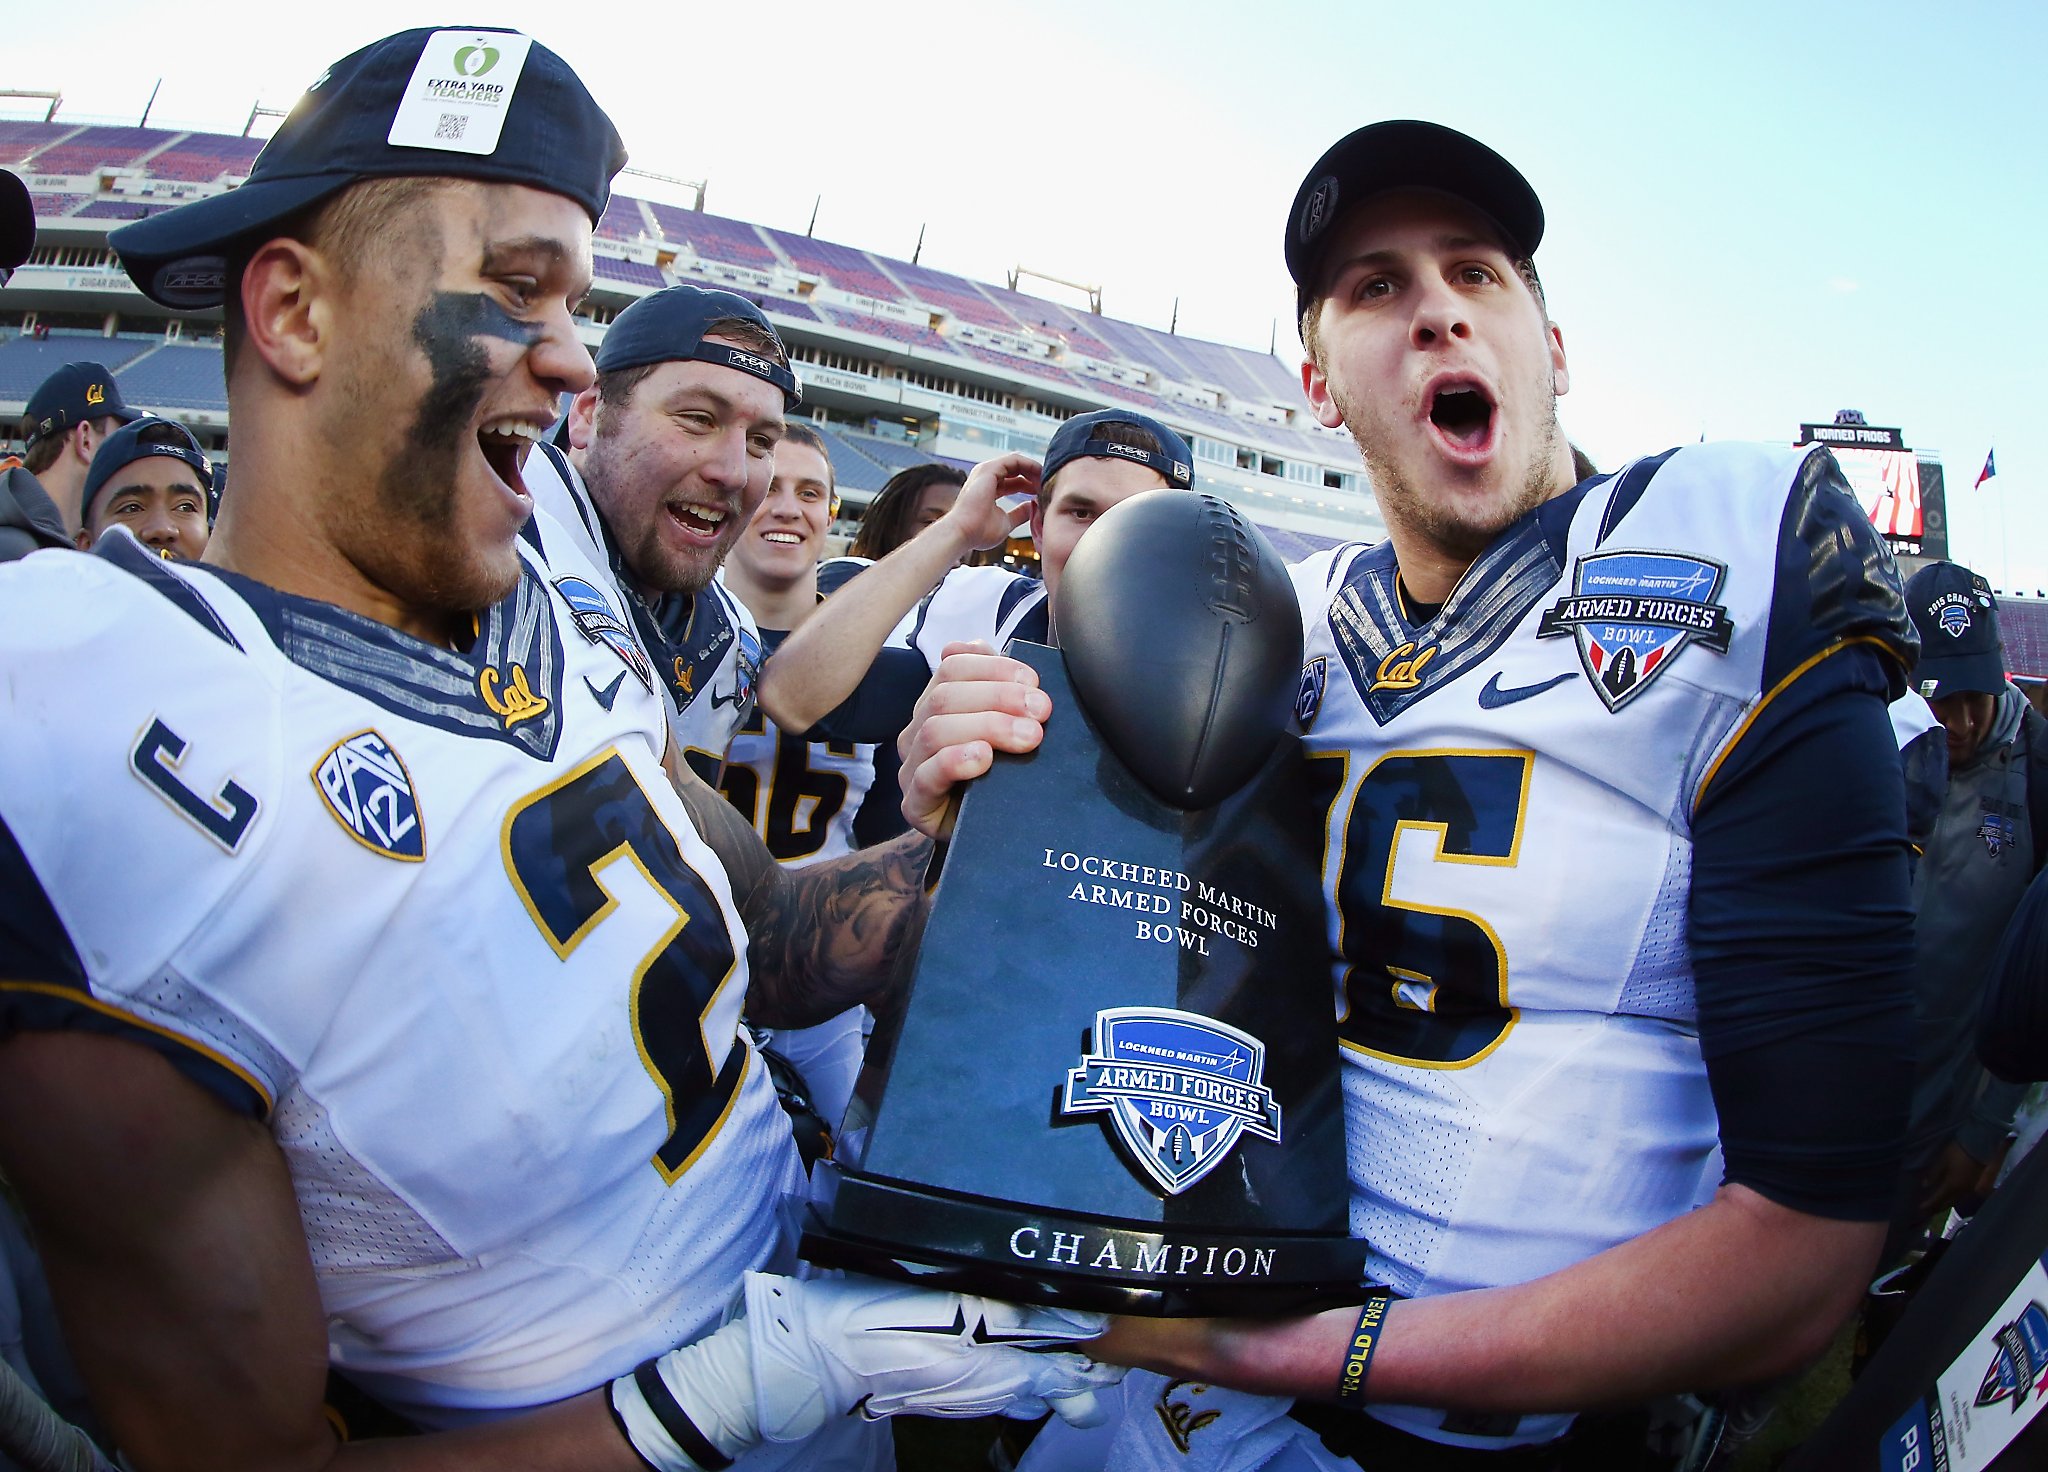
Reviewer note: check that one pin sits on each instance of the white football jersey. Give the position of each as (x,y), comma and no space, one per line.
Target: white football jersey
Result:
(1511,784)
(706,650)
(991,604)
(802,797)
(439,918)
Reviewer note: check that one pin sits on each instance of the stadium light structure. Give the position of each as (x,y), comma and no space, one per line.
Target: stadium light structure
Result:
(54,99)
(258,110)
(1093,293)
(695,186)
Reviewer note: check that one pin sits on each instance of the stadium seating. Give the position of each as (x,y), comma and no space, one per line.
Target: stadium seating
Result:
(26,361)
(2023,624)
(636,272)
(49,206)
(176,376)
(892,455)
(955,294)
(97,148)
(119,209)
(842,265)
(622,219)
(852,470)
(889,327)
(1036,312)
(1011,363)
(19,138)
(202,158)
(714,237)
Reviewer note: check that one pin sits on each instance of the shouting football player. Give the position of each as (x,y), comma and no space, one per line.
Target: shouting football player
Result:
(368,995)
(1616,874)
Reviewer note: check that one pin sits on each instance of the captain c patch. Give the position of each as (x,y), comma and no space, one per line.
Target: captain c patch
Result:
(1632,614)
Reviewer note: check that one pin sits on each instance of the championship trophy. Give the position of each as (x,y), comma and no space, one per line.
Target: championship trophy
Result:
(1113,1083)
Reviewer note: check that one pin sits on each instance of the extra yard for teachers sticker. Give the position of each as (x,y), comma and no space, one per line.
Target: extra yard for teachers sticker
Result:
(460,91)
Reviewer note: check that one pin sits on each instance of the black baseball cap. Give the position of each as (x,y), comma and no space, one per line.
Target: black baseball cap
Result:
(1080,438)
(1405,155)
(669,327)
(1957,616)
(140,440)
(17,224)
(75,394)
(418,104)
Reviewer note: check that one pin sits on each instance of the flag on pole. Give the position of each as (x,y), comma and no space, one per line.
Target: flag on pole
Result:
(1988,471)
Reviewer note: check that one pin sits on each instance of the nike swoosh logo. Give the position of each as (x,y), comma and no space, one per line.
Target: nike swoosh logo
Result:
(1493,697)
(606,696)
(732,699)
(981,1333)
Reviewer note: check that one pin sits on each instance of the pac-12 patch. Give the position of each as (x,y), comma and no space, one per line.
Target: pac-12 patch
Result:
(369,791)
(1308,700)
(1179,1089)
(1633,612)
(596,621)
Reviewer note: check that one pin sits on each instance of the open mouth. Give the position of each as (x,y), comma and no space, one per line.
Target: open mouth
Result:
(701,522)
(782,538)
(506,444)
(1463,415)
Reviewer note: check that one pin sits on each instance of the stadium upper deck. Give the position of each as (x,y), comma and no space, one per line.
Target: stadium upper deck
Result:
(898,357)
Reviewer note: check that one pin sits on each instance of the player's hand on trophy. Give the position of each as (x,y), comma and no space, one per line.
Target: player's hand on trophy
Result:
(804,1351)
(979,517)
(978,703)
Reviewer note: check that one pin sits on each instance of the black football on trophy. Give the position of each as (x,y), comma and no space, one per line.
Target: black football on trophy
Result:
(1180,629)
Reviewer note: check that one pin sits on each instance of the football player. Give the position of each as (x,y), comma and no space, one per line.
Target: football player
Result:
(369,995)
(802,796)
(151,477)
(667,456)
(1093,462)
(1617,873)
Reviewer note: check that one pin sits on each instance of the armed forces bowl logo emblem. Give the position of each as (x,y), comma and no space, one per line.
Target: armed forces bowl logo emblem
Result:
(369,791)
(2019,1363)
(595,620)
(1633,612)
(1179,1089)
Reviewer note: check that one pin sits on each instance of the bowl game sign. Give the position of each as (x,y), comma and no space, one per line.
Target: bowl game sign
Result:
(1986,1397)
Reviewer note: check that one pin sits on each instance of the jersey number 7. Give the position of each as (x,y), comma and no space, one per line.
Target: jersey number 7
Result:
(556,842)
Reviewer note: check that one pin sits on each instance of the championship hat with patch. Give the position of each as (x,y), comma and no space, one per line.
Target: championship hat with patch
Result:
(146,437)
(1956,614)
(75,394)
(17,224)
(669,327)
(1404,155)
(1082,437)
(478,103)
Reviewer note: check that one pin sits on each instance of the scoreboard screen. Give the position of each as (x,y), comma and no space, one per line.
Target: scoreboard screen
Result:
(1901,489)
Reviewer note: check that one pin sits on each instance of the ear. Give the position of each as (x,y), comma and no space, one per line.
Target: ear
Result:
(83,441)
(83,538)
(1320,402)
(1038,516)
(583,419)
(1560,375)
(289,301)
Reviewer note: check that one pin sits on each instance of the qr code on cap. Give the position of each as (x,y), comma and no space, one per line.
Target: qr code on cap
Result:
(451,125)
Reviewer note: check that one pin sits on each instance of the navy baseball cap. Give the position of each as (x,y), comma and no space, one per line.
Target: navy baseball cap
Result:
(478,102)
(1957,616)
(144,438)
(75,394)
(1404,155)
(1078,438)
(17,224)
(669,327)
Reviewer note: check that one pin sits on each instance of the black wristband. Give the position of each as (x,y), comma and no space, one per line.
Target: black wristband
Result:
(675,1420)
(1365,1340)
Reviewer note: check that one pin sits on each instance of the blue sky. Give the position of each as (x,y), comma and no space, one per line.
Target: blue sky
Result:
(1758,214)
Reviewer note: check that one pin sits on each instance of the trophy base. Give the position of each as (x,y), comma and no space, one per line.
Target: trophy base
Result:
(892,1229)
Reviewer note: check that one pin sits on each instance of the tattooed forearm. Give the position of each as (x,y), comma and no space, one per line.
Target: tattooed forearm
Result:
(822,938)
(828,936)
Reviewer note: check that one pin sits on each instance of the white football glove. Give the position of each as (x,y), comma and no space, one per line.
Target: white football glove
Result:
(808,1350)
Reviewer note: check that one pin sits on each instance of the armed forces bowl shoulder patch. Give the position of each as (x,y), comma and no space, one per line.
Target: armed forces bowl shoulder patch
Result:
(1632,613)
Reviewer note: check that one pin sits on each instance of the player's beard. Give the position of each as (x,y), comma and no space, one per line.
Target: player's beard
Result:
(1460,534)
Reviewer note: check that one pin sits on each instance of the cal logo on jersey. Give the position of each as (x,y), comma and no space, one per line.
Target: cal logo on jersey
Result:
(1179,1088)
(369,791)
(596,621)
(1632,612)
